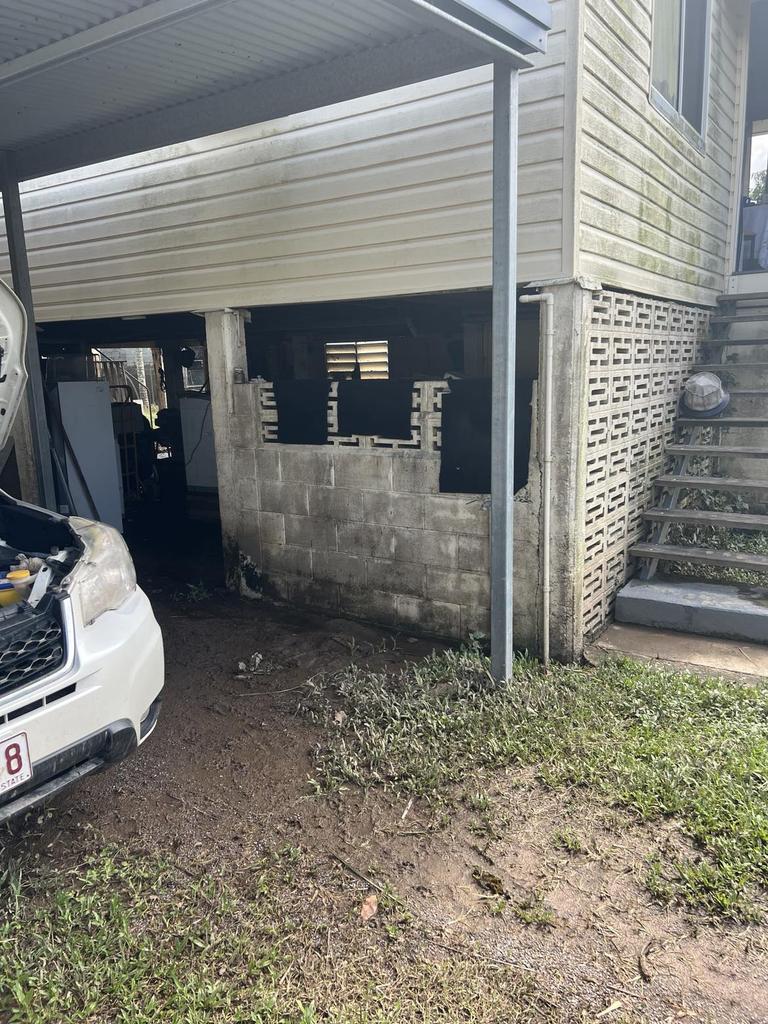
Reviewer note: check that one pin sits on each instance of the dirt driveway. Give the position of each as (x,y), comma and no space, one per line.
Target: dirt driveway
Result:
(231,763)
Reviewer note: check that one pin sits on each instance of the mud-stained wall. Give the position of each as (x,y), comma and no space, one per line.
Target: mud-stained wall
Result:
(365,532)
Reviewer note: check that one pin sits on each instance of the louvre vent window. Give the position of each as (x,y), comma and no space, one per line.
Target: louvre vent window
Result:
(372,357)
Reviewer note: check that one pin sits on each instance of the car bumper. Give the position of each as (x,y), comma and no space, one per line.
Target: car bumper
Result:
(97,708)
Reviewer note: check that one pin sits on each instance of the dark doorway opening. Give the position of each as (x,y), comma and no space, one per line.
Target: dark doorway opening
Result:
(129,411)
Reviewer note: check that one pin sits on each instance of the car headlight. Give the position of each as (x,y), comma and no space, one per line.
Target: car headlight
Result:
(104,577)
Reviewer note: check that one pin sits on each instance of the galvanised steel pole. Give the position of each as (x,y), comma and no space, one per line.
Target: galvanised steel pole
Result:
(505,86)
(14,230)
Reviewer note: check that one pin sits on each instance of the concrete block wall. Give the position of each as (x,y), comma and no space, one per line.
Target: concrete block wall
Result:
(356,531)
(366,533)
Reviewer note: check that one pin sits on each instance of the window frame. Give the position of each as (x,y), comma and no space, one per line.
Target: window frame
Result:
(697,137)
(356,344)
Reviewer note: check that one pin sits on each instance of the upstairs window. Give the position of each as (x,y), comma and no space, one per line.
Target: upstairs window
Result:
(367,360)
(680,58)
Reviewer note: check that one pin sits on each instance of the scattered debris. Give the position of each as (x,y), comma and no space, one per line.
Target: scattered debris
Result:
(193,593)
(617,1005)
(245,669)
(369,908)
(489,882)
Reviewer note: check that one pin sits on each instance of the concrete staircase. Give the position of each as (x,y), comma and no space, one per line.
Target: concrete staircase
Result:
(723,457)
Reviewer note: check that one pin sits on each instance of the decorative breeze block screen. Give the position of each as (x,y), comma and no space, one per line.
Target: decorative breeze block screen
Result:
(426,411)
(639,352)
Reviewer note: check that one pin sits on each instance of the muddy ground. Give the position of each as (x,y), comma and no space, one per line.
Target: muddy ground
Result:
(232,758)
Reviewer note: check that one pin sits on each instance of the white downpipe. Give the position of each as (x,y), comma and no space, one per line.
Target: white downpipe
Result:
(546,299)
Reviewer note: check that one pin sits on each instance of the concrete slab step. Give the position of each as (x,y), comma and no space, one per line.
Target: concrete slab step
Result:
(730,520)
(748,392)
(739,318)
(701,556)
(723,421)
(733,342)
(728,298)
(746,662)
(711,483)
(691,606)
(716,450)
(729,367)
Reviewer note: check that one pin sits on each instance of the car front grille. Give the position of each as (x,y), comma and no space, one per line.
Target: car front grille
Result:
(31,646)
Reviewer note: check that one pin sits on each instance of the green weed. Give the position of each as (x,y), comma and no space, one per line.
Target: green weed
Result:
(568,840)
(136,939)
(656,743)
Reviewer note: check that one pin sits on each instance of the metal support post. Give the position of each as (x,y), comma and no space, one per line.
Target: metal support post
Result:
(505,82)
(38,422)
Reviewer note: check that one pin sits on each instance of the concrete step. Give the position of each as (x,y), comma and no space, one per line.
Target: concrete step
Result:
(708,656)
(711,483)
(748,392)
(739,318)
(723,421)
(701,556)
(716,450)
(692,606)
(733,342)
(729,367)
(730,520)
(731,297)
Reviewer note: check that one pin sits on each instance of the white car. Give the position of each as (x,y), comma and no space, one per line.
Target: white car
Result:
(81,655)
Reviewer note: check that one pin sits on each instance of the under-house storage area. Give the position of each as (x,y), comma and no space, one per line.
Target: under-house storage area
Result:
(129,413)
(362,452)
(353,439)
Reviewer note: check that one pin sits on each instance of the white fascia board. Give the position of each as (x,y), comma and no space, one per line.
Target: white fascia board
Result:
(521,25)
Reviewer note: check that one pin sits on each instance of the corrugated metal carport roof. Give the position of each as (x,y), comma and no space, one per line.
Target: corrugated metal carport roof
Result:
(86,80)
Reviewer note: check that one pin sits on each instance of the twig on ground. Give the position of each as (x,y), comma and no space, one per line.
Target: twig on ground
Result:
(498,960)
(642,961)
(369,882)
(268,693)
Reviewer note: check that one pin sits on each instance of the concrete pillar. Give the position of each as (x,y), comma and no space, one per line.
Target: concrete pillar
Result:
(225,341)
(572,309)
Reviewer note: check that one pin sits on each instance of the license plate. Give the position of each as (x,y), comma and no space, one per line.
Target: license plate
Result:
(15,764)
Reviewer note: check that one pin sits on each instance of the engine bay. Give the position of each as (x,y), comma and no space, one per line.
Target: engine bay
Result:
(37,551)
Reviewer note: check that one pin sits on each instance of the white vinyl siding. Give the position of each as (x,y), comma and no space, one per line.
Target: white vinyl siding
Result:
(384,195)
(654,209)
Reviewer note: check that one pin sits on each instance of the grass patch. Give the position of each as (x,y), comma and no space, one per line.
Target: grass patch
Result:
(654,742)
(568,840)
(532,910)
(136,939)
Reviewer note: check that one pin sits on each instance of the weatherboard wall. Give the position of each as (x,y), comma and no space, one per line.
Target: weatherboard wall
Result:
(655,212)
(388,194)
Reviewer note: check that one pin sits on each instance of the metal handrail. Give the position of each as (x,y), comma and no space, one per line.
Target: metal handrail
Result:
(127,372)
